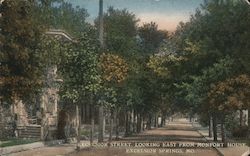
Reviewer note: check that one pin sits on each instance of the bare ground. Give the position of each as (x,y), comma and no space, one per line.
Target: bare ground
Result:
(180,131)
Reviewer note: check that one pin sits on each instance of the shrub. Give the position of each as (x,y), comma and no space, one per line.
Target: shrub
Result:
(240,132)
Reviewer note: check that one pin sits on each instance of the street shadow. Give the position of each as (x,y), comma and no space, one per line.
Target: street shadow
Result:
(159,137)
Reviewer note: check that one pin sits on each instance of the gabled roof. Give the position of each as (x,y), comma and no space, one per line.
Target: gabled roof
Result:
(61,33)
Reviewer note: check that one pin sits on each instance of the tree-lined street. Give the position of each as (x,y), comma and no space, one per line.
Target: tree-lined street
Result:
(65,77)
(180,131)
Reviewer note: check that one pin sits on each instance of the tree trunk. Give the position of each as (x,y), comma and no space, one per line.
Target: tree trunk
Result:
(88,113)
(84,117)
(92,130)
(134,121)
(156,121)
(101,124)
(127,126)
(78,115)
(82,113)
(163,120)
(210,134)
(148,126)
(149,122)
(248,122)
(111,126)
(131,122)
(223,133)
(241,118)
(42,124)
(139,123)
(92,121)
(116,119)
(215,128)
(142,123)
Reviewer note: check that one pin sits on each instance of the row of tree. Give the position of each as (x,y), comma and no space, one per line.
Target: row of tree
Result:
(209,68)
(135,73)
(113,75)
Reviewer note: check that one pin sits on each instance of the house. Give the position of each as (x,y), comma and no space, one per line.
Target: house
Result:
(39,119)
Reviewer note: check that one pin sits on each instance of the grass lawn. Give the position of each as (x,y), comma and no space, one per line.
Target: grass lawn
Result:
(85,132)
(16,141)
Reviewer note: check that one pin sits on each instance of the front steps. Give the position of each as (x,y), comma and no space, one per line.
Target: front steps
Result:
(30,131)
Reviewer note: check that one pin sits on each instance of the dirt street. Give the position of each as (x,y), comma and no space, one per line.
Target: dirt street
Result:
(179,131)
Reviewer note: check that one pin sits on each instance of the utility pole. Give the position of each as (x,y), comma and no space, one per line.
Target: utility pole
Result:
(101,23)
(101,109)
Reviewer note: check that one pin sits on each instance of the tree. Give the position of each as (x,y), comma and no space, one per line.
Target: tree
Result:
(21,61)
(102,47)
(114,72)
(80,70)
(195,92)
(114,68)
(120,30)
(80,84)
(80,73)
(151,37)
(165,67)
(120,27)
(228,96)
(203,43)
(208,28)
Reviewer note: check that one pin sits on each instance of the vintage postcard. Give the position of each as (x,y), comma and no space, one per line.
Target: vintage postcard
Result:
(124,77)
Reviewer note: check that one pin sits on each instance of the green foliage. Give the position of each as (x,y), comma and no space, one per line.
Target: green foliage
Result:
(80,69)
(230,95)
(219,28)
(120,66)
(114,68)
(151,37)
(202,67)
(211,43)
(195,92)
(107,97)
(52,49)
(240,132)
(20,61)
(57,14)
(163,65)
(70,19)
(120,31)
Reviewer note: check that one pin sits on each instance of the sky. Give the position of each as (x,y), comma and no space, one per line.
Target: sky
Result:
(166,13)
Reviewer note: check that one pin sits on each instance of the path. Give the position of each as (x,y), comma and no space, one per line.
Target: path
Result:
(47,151)
(180,132)
(229,151)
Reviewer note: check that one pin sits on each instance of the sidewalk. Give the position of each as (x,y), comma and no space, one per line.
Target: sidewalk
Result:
(229,151)
(52,148)
(59,150)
